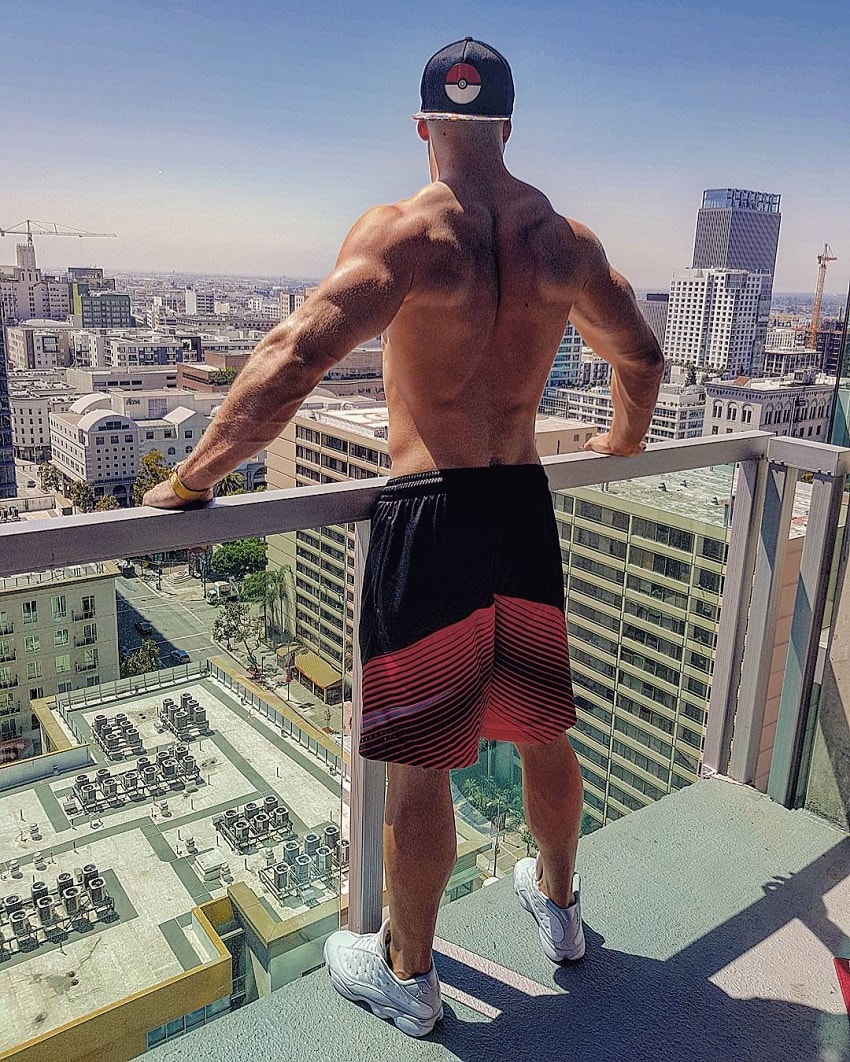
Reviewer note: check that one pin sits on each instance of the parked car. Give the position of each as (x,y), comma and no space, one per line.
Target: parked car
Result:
(30,482)
(212,595)
(143,626)
(179,656)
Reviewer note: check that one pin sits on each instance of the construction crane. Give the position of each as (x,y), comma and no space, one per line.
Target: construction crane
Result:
(49,228)
(823,261)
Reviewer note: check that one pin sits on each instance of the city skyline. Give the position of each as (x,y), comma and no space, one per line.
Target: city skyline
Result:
(246,142)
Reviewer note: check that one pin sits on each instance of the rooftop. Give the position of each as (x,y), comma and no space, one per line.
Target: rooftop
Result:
(54,576)
(712,917)
(152,852)
(158,850)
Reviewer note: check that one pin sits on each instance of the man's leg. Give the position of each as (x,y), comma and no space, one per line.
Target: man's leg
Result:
(420,850)
(553,793)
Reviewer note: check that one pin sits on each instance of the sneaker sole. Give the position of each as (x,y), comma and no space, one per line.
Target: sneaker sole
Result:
(544,943)
(403,1022)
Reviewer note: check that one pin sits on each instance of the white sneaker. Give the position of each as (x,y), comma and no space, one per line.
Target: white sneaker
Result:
(360,971)
(560,928)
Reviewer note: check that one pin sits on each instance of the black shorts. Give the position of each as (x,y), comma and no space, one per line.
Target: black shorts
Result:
(462,629)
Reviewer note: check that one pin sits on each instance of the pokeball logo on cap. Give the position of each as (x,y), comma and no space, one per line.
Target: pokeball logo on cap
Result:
(463,83)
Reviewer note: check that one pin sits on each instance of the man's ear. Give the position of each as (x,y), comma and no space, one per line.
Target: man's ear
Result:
(422,130)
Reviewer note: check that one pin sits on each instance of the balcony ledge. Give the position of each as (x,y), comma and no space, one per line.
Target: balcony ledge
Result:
(712,918)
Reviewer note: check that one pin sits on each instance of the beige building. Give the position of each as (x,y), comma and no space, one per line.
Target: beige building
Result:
(25,292)
(38,345)
(32,398)
(58,632)
(328,441)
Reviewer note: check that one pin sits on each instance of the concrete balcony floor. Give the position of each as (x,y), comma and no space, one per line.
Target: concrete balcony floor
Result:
(712,918)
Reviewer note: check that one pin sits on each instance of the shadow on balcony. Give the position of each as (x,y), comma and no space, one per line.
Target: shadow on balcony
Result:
(712,917)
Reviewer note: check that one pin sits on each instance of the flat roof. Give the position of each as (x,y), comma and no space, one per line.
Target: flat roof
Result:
(698,494)
(158,863)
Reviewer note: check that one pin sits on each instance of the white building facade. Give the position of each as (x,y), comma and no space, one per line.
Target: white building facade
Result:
(800,407)
(679,411)
(717,320)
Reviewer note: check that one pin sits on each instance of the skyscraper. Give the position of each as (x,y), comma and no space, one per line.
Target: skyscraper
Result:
(737,229)
(719,308)
(8,487)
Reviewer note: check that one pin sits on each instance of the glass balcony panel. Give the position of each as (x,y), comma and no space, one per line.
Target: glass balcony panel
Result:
(178,718)
(268,690)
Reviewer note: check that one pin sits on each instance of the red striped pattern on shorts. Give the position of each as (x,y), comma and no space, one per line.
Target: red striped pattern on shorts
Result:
(502,672)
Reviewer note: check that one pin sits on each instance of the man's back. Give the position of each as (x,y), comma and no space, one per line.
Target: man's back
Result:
(493,276)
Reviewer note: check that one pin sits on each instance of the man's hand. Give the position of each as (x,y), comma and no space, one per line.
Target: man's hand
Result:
(163,497)
(603,444)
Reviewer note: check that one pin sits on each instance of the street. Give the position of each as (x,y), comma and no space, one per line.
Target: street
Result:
(181,618)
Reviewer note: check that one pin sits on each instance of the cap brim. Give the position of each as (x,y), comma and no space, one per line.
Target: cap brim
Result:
(448,116)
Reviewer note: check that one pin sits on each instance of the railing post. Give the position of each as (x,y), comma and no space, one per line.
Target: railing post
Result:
(761,630)
(806,626)
(734,613)
(368,785)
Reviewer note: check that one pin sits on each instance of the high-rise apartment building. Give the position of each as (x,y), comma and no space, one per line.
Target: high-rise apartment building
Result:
(8,486)
(719,308)
(717,320)
(737,229)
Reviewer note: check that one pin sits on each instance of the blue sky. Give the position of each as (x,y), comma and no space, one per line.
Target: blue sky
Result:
(247,137)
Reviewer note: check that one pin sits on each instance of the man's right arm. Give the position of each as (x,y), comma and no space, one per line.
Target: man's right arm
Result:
(606,316)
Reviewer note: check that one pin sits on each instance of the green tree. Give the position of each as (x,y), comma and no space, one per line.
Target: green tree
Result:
(82,496)
(106,503)
(235,624)
(258,588)
(152,470)
(238,559)
(232,483)
(222,377)
(141,660)
(49,476)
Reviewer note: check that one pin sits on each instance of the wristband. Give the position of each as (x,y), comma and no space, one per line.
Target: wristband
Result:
(182,491)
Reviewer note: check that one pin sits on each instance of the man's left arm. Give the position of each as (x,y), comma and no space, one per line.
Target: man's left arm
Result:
(356,302)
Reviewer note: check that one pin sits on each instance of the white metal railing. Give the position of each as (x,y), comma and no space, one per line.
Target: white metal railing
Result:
(768,470)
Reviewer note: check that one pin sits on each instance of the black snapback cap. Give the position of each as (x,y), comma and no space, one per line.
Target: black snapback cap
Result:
(467,80)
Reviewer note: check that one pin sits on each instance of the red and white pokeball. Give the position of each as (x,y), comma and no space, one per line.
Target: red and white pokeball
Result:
(463,83)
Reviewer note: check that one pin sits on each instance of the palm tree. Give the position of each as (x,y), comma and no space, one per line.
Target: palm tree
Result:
(232,483)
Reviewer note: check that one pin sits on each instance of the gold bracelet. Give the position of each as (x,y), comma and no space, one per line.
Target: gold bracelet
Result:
(182,491)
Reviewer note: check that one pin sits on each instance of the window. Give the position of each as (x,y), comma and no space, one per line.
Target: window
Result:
(33,669)
(187,434)
(63,664)
(29,609)
(171,451)
(32,643)
(90,632)
(59,607)
(88,607)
